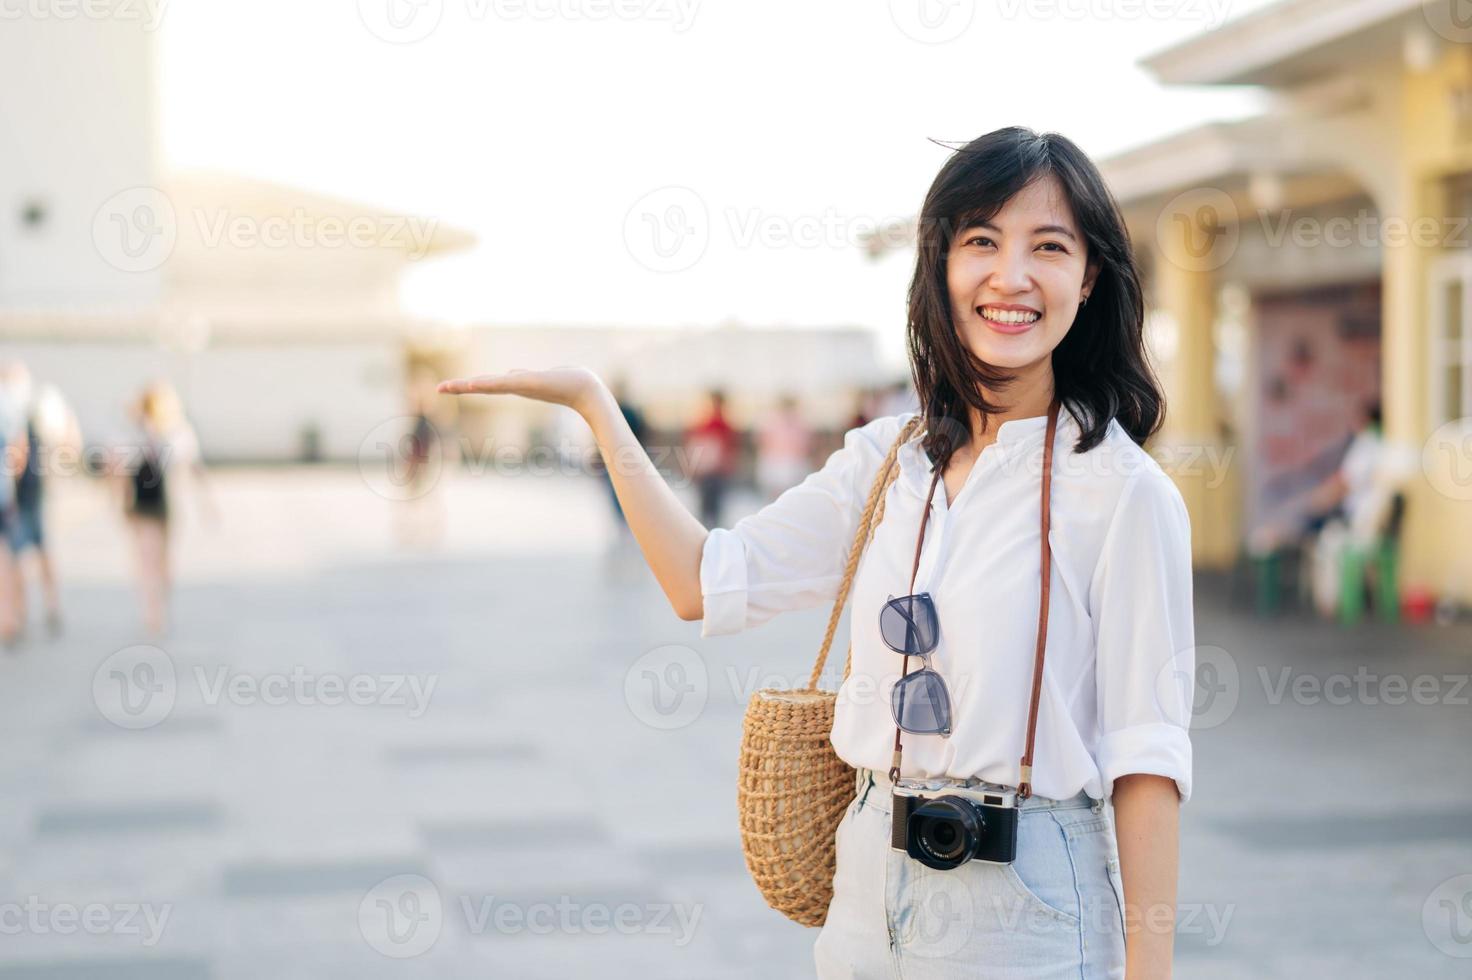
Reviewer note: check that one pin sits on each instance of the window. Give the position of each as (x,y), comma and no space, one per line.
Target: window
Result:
(1451,342)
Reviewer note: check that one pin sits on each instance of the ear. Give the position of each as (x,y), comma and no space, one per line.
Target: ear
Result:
(1091,276)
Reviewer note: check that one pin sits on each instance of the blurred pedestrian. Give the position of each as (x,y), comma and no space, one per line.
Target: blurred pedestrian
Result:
(784,448)
(1350,507)
(13,455)
(419,518)
(640,428)
(26,531)
(711,450)
(166,452)
(862,415)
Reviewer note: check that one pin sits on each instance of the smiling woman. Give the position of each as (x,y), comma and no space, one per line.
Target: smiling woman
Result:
(1057,569)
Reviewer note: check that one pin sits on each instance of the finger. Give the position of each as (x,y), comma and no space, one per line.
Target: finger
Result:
(482,384)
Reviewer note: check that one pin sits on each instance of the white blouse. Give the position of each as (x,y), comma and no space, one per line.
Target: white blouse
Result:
(1119,675)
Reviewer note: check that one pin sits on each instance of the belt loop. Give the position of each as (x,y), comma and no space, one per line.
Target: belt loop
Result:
(865,783)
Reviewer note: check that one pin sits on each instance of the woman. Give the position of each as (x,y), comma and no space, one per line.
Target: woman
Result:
(1025,317)
(784,446)
(13,459)
(48,427)
(166,446)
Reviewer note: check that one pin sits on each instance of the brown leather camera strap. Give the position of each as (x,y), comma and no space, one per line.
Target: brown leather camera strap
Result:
(1024,785)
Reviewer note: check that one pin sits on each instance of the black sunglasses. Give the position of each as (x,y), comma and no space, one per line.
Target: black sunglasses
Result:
(920,702)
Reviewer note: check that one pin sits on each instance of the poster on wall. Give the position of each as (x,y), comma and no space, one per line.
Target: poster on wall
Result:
(1318,369)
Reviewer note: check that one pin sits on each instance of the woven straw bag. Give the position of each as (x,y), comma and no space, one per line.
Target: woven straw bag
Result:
(793,787)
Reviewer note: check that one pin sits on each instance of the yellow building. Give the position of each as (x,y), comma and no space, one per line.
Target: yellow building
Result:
(1313,259)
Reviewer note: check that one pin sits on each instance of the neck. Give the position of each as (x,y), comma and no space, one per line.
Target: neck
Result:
(1028,398)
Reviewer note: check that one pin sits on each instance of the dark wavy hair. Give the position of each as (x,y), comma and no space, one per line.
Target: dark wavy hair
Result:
(1100,369)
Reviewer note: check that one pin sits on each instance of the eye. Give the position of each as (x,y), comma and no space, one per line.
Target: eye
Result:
(1055,245)
(977,238)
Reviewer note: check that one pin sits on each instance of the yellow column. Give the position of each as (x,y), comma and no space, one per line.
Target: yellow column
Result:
(1438,518)
(1189,446)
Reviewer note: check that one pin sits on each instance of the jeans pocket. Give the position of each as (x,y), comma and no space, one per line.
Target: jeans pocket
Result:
(1034,903)
(1042,874)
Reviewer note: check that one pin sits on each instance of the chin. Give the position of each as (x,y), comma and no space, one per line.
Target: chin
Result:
(1012,360)
(1004,356)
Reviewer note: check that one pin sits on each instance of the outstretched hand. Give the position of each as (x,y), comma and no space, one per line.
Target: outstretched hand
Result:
(574,387)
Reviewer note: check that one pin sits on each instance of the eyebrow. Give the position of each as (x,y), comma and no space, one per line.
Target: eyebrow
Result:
(1039,230)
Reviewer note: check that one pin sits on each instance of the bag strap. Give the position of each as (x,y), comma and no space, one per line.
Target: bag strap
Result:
(1024,785)
(872,515)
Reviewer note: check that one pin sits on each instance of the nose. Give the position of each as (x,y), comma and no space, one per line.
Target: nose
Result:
(1010,274)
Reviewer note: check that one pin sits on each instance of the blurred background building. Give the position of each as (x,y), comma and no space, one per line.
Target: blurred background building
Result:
(1315,277)
(275,311)
(1314,259)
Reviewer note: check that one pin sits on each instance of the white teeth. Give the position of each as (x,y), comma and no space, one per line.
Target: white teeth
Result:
(1008,316)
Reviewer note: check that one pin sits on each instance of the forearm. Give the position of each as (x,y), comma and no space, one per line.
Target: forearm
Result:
(670,537)
(1147,822)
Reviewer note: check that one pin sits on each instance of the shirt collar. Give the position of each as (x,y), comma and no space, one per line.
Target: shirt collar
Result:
(1015,436)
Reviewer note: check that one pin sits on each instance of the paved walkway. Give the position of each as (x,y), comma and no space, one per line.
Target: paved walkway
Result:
(353,760)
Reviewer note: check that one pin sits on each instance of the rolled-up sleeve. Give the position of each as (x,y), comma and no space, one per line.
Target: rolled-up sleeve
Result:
(791,554)
(1144,633)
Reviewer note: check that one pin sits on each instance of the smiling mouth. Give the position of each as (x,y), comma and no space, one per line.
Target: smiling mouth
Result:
(1012,321)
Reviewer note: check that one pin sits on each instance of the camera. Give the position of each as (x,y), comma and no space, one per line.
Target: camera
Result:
(964,824)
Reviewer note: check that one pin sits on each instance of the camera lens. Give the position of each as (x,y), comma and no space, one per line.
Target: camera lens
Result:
(947,830)
(945,838)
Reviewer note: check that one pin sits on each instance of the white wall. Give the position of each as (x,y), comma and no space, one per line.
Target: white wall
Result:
(77,127)
(253,402)
(246,402)
(669,370)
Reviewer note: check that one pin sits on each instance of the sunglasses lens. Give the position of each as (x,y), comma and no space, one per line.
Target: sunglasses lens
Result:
(920,703)
(908,624)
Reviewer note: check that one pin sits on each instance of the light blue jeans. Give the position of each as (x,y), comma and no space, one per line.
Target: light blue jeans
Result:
(1055,912)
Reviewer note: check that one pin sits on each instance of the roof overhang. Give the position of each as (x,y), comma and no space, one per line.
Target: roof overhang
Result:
(1267,149)
(237,196)
(1286,43)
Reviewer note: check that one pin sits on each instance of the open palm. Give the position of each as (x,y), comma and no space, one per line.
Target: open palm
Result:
(570,386)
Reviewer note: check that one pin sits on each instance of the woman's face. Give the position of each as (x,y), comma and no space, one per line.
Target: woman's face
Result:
(1016,281)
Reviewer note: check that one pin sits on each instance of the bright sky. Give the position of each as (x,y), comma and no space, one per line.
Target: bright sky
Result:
(542,128)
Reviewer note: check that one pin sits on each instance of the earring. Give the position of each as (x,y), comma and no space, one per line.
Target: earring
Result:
(1084,302)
